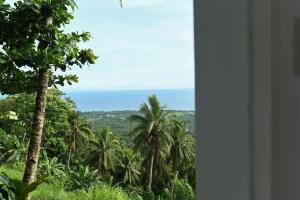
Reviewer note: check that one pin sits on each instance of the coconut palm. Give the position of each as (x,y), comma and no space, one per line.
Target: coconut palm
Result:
(182,150)
(151,136)
(129,167)
(79,134)
(103,152)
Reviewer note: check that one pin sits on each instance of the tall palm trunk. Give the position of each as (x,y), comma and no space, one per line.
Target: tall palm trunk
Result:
(37,128)
(173,185)
(151,171)
(175,165)
(69,157)
(70,149)
(100,165)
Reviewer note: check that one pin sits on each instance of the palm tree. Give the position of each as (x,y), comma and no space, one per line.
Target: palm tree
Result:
(78,135)
(151,136)
(104,151)
(129,167)
(182,150)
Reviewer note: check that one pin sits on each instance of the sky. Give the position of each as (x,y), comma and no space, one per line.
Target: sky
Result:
(147,44)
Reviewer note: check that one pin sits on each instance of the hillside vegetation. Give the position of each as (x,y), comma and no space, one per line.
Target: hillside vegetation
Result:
(143,154)
(121,126)
(50,150)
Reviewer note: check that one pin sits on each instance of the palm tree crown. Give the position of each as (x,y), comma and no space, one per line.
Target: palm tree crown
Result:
(182,149)
(129,167)
(79,134)
(151,136)
(104,151)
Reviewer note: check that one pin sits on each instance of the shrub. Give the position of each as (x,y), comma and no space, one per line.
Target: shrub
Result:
(6,141)
(14,189)
(148,195)
(166,195)
(82,179)
(181,191)
(102,192)
(51,166)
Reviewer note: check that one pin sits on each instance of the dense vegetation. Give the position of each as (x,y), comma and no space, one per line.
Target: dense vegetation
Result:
(121,126)
(49,150)
(157,160)
(36,53)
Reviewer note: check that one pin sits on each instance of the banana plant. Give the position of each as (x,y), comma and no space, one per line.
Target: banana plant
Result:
(83,178)
(17,153)
(51,166)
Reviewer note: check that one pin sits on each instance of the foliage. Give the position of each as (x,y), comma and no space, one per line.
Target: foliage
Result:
(82,179)
(102,192)
(7,141)
(103,152)
(15,149)
(33,47)
(79,133)
(14,189)
(182,190)
(121,164)
(148,195)
(54,191)
(32,36)
(58,125)
(151,136)
(51,166)
(119,124)
(182,149)
(129,167)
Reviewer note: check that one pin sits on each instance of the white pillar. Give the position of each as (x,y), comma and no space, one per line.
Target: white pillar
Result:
(286,136)
(223,97)
(248,99)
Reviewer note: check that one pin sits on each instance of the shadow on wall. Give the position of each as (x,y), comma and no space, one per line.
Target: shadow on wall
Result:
(296,46)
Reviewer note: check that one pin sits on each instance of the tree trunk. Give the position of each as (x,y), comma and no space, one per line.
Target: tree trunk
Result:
(100,166)
(151,171)
(37,128)
(173,185)
(69,158)
(70,150)
(174,167)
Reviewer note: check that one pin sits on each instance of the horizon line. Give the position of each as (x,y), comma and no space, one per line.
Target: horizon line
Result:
(125,90)
(136,110)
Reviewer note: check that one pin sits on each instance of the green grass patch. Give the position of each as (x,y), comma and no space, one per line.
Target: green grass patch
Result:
(53,190)
(11,171)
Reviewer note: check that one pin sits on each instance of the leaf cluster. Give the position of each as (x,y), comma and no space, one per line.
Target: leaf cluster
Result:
(32,38)
(14,189)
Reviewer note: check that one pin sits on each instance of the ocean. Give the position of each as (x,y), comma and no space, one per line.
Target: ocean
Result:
(175,99)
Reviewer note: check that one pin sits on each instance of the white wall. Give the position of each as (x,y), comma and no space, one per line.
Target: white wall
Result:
(261,98)
(287,133)
(248,99)
(222,70)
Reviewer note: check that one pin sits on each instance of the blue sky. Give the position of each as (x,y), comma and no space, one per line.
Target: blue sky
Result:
(147,44)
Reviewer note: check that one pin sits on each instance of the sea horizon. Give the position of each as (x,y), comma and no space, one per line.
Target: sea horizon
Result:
(122,100)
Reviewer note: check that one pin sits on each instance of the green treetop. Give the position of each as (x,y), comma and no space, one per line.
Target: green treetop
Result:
(32,38)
